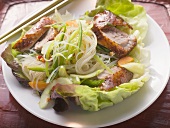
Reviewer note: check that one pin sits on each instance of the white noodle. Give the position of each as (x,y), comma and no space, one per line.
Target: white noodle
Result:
(90,51)
(29,61)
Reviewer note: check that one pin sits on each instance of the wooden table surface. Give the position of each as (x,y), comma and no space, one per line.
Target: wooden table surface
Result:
(13,115)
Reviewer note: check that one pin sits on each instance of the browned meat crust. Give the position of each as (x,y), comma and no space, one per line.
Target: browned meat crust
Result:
(120,76)
(115,40)
(30,38)
(108,18)
(110,37)
(51,34)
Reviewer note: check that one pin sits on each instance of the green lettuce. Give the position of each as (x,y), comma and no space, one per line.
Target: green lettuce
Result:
(94,99)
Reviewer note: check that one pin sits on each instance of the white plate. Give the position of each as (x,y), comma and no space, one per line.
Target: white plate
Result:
(155,40)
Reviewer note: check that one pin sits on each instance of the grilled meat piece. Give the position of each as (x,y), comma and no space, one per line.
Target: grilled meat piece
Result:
(110,37)
(51,34)
(108,18)
(115,40)
(30,38)
(119,76)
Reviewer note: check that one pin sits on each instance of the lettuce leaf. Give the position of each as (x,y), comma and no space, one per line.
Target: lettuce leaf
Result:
(9,58)
(122,7)
(94,99)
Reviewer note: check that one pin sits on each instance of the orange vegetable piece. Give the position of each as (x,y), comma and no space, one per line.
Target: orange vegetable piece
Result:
(72,23)
(125,60)
(41,85)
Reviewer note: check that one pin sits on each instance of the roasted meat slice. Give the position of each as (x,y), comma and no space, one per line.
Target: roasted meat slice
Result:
(108,18)
(48,37)
(30,38)
(115,40)
(104,26)
(119,76)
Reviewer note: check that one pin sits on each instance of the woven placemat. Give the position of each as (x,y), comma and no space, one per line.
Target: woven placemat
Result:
(165,3)
(6,4)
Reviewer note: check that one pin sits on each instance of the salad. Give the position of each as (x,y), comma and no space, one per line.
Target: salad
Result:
(95,61)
